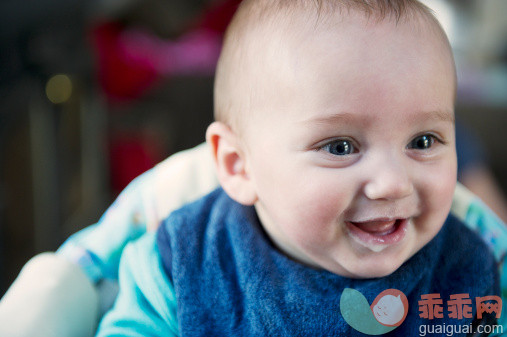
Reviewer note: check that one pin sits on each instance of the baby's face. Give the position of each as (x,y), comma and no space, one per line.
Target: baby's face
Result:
(355,172)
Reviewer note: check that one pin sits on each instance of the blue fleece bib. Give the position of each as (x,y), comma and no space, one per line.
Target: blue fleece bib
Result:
(230,280)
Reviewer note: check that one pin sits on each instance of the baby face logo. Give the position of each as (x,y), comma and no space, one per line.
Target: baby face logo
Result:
(386,313)
(390,307)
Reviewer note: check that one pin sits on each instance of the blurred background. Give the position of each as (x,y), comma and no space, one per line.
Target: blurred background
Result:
(93,93)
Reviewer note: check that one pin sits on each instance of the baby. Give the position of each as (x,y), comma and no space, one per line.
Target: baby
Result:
(334,147)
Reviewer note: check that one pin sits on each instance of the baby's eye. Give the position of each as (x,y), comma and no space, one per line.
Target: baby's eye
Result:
(340,147)
(422,142)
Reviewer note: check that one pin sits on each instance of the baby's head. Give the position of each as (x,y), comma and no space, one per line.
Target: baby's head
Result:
(335,118)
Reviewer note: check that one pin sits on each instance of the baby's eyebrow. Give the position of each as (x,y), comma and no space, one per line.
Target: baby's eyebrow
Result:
(444,116)
(344,117)
(340,117)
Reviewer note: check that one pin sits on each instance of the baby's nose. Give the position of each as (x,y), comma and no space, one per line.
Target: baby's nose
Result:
(388,180)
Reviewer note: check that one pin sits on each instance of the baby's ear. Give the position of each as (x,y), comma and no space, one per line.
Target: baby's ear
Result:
(231,163)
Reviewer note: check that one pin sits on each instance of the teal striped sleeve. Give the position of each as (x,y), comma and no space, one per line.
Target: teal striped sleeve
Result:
(146,302)
(478,217)
(97,248)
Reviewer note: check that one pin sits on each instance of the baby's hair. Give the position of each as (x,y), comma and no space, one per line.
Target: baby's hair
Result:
(241,71)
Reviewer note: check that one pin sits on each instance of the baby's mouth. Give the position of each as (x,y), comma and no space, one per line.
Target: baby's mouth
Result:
(377,227)
(378,234)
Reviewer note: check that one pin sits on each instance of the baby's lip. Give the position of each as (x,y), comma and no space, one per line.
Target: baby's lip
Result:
(376,226)
(378,233)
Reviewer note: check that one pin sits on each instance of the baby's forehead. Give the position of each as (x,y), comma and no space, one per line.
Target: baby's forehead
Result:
(290,18)
(278,33)
(269,42)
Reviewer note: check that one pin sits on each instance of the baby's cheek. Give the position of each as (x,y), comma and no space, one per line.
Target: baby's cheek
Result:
(443,187)
(436,193)
(319,215)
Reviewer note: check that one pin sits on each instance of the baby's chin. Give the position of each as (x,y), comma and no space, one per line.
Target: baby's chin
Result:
(374,264)
(361,269)
(375,272)
(367,272)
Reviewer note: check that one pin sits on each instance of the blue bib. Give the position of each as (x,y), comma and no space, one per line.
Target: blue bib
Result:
(230,280)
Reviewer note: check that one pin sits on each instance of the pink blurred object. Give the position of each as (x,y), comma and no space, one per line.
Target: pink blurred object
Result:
(194,53)
(131,60)
(121,78)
